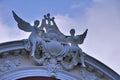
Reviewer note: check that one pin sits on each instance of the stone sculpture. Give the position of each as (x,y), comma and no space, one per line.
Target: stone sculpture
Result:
(48,46)
(52,31)
(35,31)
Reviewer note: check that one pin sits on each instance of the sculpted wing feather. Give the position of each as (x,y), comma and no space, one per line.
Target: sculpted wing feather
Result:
(23,25)
(82,37)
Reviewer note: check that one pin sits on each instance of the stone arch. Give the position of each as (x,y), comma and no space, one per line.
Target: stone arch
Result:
(36,72)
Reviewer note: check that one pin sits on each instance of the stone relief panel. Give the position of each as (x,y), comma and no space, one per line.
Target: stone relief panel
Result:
(20,58)
(9,62)
(89,73)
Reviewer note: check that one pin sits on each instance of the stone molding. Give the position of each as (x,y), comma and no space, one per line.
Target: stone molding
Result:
(36,71)
(15,45)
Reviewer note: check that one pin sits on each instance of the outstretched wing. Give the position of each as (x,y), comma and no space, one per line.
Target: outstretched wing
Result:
(81,37)
(23,25)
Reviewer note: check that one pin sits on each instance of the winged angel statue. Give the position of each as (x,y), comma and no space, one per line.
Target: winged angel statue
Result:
(55,46)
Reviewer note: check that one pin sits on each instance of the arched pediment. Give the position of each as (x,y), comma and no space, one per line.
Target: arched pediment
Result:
(17,48)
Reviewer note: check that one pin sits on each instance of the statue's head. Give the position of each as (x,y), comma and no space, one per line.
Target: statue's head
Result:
(53,18)
(72,31)
(36,22)
(48,15)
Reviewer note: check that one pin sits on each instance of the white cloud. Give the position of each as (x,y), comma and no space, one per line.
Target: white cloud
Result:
(103,22)
(65,23)
(10,33)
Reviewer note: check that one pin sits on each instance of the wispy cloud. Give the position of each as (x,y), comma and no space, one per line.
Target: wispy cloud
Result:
(65,23)
(103,22)
(10,33)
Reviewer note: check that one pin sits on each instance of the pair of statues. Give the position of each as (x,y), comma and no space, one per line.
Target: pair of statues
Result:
(49,32)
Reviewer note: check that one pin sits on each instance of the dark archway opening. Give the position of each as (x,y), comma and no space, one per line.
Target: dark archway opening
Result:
(38,78)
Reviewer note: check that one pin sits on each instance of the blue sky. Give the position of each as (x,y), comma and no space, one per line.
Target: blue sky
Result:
(101,17)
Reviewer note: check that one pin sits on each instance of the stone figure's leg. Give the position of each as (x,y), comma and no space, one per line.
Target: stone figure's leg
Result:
(82,58)
(75,58)
(33,49)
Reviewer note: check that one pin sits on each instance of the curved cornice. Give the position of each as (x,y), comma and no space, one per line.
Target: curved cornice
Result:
(20,44)
(102,67)
(13,45)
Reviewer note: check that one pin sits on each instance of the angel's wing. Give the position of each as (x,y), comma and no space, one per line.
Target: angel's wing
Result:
(23,25)
(81,37)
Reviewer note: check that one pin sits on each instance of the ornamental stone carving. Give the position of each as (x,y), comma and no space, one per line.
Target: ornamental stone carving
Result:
(52,52)
(10,62)
(50,47)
